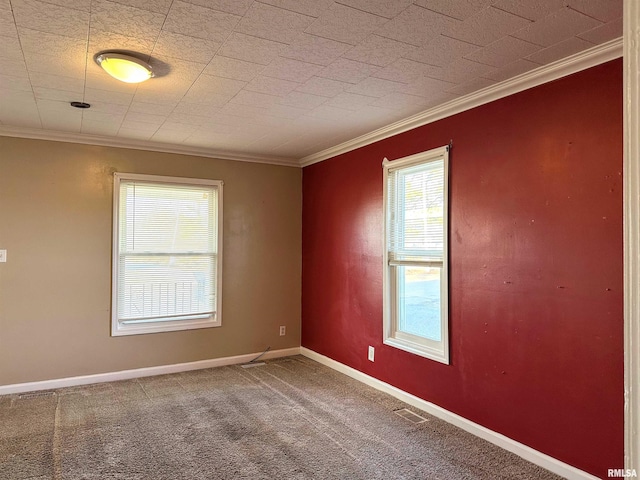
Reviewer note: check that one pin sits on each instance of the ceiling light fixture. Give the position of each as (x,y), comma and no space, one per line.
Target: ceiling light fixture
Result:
(125,68)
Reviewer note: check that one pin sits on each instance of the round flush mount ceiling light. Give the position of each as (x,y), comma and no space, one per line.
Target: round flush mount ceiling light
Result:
(125,68)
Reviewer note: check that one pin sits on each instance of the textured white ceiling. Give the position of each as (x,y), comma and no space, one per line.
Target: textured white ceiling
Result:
(280,78)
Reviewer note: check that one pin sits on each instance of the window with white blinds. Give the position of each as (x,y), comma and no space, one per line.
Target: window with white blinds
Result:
(167,254)
(415,260)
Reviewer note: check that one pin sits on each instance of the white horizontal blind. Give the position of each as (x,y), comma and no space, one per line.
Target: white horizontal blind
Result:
(415,233)
(167,251)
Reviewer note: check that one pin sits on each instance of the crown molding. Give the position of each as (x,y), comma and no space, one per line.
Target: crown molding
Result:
(567,66)
(71,137)
(547,73)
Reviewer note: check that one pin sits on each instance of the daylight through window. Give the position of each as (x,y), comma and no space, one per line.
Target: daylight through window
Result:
(415,282)
(167,254)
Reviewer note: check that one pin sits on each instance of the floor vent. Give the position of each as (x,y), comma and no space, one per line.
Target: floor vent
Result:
(409,415)
(46,393)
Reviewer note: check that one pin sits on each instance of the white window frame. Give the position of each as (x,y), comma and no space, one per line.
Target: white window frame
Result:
(392,336)
(119,328)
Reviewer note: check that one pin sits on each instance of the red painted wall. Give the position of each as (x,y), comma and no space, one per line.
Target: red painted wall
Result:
(536,267)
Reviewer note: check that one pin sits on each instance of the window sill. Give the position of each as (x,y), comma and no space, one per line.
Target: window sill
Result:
(417,349)
(121,329)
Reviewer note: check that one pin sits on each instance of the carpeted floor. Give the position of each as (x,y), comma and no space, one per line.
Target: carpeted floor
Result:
(289,419)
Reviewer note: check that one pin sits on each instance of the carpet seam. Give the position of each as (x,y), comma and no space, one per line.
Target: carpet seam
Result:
(56,446)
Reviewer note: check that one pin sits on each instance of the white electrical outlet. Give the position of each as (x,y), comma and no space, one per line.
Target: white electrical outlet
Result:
(372,352)
(283,330)
(3,256)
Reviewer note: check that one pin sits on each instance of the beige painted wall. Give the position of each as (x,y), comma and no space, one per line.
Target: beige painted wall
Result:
(55,289)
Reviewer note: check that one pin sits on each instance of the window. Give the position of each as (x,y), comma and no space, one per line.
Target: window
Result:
(415,259)
(167,252)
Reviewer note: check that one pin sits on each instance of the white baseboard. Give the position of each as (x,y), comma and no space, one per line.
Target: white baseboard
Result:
(528,453)
(141,372)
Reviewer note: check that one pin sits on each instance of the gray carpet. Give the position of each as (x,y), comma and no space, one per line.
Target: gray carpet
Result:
(289,419)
